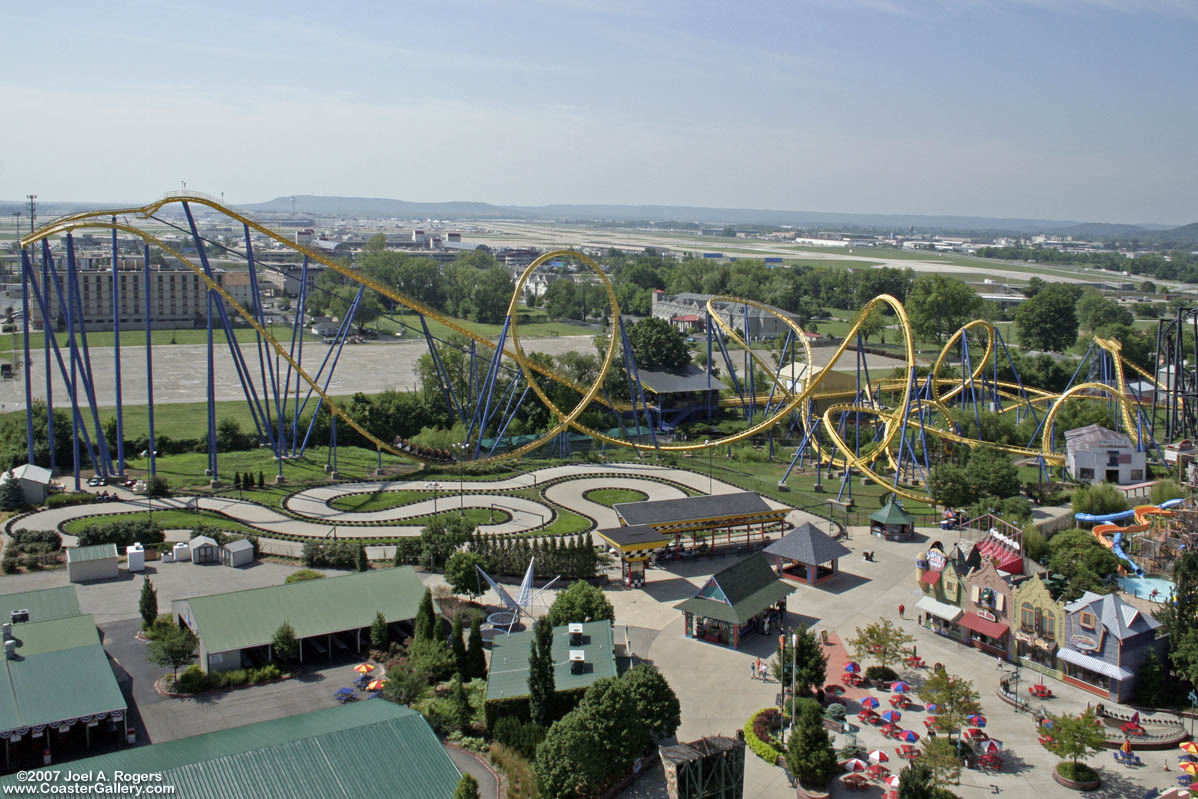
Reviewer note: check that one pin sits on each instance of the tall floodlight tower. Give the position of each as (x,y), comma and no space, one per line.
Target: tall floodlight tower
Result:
(32,210)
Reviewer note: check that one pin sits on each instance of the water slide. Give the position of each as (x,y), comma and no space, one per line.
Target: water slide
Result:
(1103,527)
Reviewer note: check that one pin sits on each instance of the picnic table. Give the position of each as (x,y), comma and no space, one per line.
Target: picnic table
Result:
(975,734)
(855,782)
(990,762)
(851,679)
(878,771)
(900,701)
(908,751)
(1047,739)
(344,695)
(915,662)
(929,722)
(890,729)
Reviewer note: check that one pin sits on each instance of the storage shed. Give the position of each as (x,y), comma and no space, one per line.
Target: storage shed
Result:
(204,550)
(34,482)
(237,553)
(92,563)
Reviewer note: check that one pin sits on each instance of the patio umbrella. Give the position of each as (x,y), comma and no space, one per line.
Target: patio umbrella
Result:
(1046,724)
(1189,768)
(374,685)
(892,781)
(835,690)
(990,747)
(878,772)
(869,702)
(878,756)
(977,720)
(900,687)
(363,668)
(852,668)
(908,736)
(1190,748)
(854,764)
(891,716)
(932,707)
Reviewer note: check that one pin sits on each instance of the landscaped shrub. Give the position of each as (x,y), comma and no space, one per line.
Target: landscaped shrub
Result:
(9,564)
(330,554)
(766,723)
(50,539)
(192,681)
(519,735)
(122,533)
(521,779)
(66,500)
(1078,772)
(836,711)
(302,575)
(760,748)
(266,673)
(881,674)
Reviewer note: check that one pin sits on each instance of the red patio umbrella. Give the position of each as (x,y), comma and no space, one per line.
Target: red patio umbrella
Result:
(908,736)
(990,747)
(878,772)
(869,702)
(892,781)
(852,668)
(878,756)
(363,668)
(374,685)
(854,764)
(900,687)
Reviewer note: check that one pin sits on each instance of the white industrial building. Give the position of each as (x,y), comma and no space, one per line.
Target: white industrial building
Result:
(1096,454)
(34,482)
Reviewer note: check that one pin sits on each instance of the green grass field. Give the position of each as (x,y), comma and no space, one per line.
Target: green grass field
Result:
(613,496)
(486,329)
(167,519)
(134,337)
(385,500)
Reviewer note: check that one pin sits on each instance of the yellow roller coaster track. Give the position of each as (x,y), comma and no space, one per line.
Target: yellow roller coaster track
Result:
(793,397)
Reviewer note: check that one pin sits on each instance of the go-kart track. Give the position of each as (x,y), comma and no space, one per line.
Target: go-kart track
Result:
(310,513)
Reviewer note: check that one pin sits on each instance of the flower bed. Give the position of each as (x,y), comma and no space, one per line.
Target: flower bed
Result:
(764,748)
(1076,776)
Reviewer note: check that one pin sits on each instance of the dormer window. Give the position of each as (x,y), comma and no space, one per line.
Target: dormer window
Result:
(1088,621)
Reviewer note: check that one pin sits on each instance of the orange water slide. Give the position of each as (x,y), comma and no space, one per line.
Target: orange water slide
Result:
(1110,535)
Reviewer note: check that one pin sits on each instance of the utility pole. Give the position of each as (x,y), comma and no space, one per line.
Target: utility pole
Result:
(32,210)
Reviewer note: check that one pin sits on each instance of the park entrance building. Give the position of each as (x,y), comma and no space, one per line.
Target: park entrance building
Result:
(742,520)
(744,598)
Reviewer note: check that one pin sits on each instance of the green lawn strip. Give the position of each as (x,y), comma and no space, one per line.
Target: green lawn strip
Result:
(368,501)
(612,496)
(167,519)
(411,327)
(136,337)
(475,516)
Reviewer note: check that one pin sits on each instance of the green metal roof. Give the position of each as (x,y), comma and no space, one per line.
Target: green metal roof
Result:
(365,749)
(38,637)
(48,603)
(509,660)
(241,619)
(60,672)
(748,587)
(892,513)
(98,552)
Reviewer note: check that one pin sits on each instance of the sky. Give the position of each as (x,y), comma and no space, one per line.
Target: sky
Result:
(1055,109)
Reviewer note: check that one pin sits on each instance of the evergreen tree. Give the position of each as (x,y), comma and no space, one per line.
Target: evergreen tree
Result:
(362,563)
(148,604)
(11,495)
(460,712)
(261,480)
(476,659)
(809,753)
(425,628)
(540,674)
(237,480)
(458,646)
(379,634)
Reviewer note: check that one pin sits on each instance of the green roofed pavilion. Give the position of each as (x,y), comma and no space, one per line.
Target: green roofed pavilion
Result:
(892,522)
(228,623)
(743,598)
(361,750)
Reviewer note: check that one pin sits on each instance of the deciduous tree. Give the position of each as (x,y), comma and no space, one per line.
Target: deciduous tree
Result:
(883,641)
(954,697)
(938,306)
(1048,321)
(580,602)
(174,647)
(284,644)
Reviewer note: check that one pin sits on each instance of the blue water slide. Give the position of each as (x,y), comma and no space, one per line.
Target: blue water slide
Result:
(1117,540)
(1117,548)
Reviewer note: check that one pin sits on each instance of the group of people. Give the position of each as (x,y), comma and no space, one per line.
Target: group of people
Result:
(104,496)
(757,669)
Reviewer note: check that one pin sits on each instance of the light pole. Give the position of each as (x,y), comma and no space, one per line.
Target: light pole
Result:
(434,487)
(710,466)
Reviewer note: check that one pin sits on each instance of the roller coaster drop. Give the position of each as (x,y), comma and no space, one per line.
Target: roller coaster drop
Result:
(879,429)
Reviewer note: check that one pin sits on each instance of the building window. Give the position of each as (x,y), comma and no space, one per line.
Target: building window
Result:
(1049,626)
(1027,617)
(1087,621)
(1085,473)
(1137,474)
(1112,457)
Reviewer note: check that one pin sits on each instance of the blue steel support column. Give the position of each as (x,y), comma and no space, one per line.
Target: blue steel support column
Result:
(149,366)
(101,454)
(47,340)
(479,420)
(76,422)
(116,358)
(213,474)
(28,362)
(635,388)
(265,365)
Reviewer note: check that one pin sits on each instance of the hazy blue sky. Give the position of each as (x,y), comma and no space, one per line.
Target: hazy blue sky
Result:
(1078,109)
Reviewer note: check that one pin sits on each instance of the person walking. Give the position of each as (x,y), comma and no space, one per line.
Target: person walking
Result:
(901,611)
(752,670)
(763,669)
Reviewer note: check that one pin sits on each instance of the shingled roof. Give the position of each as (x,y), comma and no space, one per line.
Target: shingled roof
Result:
(1121,619)
(808,544)
(739,592)
(685,509)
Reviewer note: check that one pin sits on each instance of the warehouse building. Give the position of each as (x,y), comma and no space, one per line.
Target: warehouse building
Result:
(329,616)
(34,482)
(358,751)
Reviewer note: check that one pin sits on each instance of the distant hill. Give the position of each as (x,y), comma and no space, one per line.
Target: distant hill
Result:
(384,207)
(1181,236)
(1105,230)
